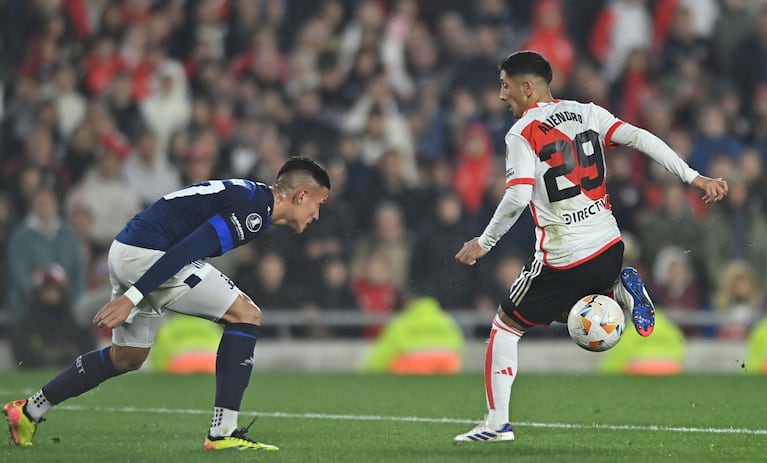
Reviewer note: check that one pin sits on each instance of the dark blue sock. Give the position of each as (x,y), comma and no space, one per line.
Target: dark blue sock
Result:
(88,371)
(234,363)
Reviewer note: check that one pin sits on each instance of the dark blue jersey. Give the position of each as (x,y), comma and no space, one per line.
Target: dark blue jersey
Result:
(202,220)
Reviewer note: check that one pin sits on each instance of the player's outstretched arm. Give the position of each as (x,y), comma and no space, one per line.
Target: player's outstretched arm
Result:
(714,189)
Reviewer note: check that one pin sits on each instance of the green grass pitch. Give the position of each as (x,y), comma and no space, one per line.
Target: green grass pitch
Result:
(359,418)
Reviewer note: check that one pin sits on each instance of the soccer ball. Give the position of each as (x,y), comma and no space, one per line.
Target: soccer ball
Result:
(596,322)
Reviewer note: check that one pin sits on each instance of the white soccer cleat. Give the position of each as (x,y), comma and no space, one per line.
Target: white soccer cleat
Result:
(484,433)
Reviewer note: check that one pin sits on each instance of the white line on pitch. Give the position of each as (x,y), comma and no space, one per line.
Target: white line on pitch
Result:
(417,419)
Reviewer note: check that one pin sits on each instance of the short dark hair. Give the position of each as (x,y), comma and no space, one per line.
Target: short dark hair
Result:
(527,62)
(308,165)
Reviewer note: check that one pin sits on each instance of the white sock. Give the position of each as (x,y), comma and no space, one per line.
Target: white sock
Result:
(37,405)
(622,297)
(224,422)
(500,370)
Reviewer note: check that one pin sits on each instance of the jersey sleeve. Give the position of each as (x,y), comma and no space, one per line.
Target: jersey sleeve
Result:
(244,219)
(520,161)
(607,123)
(655,148)
(200,244)
(520,178)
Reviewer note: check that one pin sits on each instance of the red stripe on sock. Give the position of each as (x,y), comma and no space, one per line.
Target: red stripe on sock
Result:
(489,370)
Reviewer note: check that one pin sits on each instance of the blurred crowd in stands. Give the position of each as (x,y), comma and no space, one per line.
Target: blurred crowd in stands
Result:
(108,104)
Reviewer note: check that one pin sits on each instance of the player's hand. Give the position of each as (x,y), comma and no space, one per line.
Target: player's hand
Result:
(470,252)
(114,313)
(714,189)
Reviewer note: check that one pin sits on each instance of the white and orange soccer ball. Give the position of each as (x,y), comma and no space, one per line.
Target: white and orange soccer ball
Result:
(596,322)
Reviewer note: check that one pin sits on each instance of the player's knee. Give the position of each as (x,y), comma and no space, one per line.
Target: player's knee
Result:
(128,358)
(509,321)
(243,310)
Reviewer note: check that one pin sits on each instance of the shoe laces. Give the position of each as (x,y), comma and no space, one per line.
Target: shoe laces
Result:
(241,433)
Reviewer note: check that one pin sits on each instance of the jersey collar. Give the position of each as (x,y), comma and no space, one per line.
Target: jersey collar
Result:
(541,104)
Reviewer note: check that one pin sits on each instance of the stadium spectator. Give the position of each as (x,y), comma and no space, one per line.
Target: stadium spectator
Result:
(752,167)
(746,76)
(381,128)
(148,173)
(40,154)
(626,196)
(683,41)
(376,294)
(731,27)
(496,118)
(70,103)
(390,241)
(42,239)
(122,105)
(102,63)
(268,284)
(385,184)
(735,230)
(630,93)
(673,223)
(333,293)
(674,286)
(474,166)
(621,26)
(713,138)
(110,199)
(432,254)
(167,109)
(46,334)
(473,67)
(738,300)
(549,38)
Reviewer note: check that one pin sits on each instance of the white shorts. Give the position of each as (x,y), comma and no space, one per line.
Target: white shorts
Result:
(198,289)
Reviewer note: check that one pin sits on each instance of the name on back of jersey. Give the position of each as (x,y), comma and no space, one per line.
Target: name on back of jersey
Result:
(558,118)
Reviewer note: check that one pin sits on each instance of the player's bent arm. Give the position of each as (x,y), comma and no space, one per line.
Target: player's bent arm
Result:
(514,201)
(201,243)
(654,147)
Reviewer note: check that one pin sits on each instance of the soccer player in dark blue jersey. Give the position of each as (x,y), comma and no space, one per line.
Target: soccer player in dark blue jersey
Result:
(157,263)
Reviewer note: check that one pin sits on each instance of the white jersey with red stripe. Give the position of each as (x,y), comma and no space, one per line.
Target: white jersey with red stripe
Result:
(555,163)
(559,148)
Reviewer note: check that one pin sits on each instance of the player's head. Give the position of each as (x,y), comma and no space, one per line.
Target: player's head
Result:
(301,187)
(525,78)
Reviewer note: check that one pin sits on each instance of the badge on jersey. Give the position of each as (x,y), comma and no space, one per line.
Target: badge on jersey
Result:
(253,222)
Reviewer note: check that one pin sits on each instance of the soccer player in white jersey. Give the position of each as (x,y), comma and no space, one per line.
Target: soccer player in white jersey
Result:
(157,263)
(555,165)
